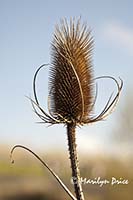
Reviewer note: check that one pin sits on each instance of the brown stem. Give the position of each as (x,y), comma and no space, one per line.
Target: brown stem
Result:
(74,161)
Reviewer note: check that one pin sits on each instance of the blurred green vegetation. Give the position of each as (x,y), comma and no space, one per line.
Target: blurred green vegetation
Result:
(27,179)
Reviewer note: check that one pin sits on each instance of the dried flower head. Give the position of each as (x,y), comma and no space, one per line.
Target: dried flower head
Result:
(71,81)
(71,73)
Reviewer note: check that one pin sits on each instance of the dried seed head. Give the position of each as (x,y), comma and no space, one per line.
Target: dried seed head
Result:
(71,79)
(70,83)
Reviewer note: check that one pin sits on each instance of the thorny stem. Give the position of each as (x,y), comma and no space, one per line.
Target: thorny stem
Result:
(74,161)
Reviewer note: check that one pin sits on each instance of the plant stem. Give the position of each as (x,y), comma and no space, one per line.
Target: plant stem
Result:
(74,161)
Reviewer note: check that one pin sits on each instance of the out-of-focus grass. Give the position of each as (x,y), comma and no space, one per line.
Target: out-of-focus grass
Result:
(27,179)
(8,170)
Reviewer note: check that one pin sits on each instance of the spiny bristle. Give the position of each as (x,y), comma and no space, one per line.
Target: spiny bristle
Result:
(70,83)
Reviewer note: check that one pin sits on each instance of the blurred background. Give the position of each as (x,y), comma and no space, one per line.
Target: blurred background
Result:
(105,148)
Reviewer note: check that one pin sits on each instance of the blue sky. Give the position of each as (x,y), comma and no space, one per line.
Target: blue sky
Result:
(26,28)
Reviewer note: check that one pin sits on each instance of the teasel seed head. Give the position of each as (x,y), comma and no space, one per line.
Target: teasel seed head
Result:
(71,83)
